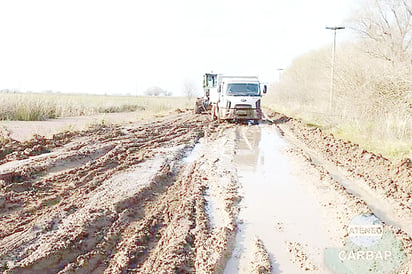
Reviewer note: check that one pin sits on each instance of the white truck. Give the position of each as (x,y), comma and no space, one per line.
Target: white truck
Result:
(236,98)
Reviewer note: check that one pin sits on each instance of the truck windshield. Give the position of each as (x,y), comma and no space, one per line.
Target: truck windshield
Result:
(243,89)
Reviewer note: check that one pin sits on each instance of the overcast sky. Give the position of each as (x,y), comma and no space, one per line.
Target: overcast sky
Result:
(126,46)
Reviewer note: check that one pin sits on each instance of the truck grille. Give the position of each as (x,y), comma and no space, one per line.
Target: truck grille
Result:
(242,106)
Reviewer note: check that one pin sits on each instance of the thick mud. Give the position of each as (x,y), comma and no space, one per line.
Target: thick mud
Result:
(382,186)
(183,194)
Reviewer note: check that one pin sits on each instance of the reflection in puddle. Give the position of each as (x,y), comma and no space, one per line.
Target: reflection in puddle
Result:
(274,208)
(247,152)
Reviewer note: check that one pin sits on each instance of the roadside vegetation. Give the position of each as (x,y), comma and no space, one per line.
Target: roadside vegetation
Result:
(37,107)
(372,98)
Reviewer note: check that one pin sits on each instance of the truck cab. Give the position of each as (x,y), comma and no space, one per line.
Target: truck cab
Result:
(237,98)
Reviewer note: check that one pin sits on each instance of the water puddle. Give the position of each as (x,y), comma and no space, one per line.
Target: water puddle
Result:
(274,206)
(215,209)
(193,153)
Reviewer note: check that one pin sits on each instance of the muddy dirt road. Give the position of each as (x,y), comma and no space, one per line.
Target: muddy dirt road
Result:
(184,195)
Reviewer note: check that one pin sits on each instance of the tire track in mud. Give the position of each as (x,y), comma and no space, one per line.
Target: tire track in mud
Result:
(69,212)
(391,178)
(188,243)
(364,173)
(342,208)
(106,152)
(390,181)
(336,203)
(125,199)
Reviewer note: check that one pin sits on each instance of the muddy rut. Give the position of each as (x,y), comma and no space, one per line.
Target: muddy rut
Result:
(165,197)
(108,199)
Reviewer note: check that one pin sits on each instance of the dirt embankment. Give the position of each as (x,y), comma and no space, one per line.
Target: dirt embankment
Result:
(392,178)
(389,182)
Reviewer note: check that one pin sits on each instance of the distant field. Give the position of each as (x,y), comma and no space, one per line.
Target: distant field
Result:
(38,107)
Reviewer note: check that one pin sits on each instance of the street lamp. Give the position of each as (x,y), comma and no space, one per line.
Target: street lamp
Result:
(332,72)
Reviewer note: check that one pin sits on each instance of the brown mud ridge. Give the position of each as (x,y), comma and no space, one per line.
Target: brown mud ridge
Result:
(138,198)
(112,199)
(392,178)
(390,181)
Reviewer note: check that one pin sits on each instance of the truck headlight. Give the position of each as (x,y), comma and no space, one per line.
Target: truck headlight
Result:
(258,104)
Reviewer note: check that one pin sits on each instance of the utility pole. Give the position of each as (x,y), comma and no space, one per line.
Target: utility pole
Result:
(279,73)
(332,72)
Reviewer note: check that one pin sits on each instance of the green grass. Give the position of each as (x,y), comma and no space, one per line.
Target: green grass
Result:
(37,107)
(393,148)
(380,137)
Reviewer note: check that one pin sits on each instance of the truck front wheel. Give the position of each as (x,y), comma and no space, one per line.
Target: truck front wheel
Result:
(198,106)
(215,113)
(218,114)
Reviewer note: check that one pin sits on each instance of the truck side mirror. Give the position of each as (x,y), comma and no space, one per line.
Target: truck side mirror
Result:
(265,89)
